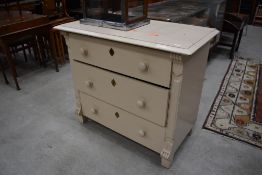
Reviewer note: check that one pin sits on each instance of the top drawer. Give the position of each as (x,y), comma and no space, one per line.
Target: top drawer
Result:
(139,62)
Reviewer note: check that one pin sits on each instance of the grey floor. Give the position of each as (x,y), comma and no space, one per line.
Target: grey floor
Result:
(39,134)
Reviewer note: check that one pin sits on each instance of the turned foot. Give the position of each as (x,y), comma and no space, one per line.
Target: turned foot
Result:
(81,119)
(166,162)
(190,133)
(167,155)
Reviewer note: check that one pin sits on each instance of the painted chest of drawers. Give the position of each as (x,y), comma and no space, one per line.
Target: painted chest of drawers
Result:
(144,84)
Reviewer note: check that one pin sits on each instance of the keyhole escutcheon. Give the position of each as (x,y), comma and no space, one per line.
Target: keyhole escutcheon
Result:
(113,82)
(111,52)
(117,115)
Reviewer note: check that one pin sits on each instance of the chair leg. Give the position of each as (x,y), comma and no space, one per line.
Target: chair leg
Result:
(62,50)
(234,44)
(3,72)
(47,46)
(42,50)
(55,45)
(52,49)
(239,39)
(29,45)
(13,51)
(12,66)
(36,50)
(29,50)
(23,48)
(65,50)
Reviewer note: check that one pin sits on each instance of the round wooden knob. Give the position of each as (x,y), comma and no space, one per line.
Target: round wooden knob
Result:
(93,111)
(142,133)
(89,84)
(141,103)
(84,52)
(143,67)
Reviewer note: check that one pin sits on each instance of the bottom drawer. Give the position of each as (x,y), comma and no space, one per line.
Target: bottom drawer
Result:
(131,126)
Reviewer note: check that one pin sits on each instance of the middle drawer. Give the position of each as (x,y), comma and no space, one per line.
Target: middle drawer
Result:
(142,99)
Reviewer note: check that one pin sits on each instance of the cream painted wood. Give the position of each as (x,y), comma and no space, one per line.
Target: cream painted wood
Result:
(186,87)
(157,117)
(145,64)
(170,37)
(133,127)
(145,100)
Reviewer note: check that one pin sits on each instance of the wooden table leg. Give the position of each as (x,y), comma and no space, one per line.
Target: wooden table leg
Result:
(52,47)
(11,64)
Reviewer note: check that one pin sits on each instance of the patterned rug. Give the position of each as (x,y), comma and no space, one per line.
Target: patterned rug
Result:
(237,109)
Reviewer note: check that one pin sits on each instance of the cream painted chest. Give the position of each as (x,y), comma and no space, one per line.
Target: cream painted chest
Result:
(144,84)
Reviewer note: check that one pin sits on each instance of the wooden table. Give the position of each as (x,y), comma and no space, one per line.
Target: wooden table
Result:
(28,5)
(13,26)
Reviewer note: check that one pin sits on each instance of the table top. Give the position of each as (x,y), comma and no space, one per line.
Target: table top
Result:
(13,21)
(165,36)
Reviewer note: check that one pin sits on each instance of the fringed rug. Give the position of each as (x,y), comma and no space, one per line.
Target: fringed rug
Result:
(237,109)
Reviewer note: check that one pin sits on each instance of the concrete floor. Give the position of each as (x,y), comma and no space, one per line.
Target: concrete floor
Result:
(39,134)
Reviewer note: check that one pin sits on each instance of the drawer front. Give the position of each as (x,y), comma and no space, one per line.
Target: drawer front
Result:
(140,98)
(137,129)
(142,63)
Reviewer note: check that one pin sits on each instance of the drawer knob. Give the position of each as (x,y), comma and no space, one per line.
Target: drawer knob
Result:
(89,84)
(141,103)
(84,52)
(143,67)
(142,133)
(93,111)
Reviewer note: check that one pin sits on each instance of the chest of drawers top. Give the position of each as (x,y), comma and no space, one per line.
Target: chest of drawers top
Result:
(169,37)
